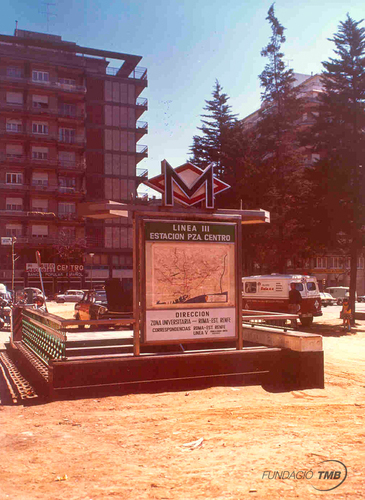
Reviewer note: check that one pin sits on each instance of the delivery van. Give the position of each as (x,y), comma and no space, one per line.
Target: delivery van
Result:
(271,293)
(339,293)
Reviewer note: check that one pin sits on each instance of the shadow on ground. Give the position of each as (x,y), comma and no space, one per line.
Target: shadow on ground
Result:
(331,330)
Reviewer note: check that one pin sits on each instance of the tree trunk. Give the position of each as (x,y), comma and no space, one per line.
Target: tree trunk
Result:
(353,274)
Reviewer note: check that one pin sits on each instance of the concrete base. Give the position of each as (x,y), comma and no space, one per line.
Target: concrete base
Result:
(295,341)
(276,368)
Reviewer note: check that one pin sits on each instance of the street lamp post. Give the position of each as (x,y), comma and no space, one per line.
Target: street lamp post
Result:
(91,273)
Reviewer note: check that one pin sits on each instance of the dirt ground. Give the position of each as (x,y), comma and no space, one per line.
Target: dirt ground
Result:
(215,443)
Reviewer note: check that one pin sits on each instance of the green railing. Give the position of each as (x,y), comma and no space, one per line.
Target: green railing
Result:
(44,334)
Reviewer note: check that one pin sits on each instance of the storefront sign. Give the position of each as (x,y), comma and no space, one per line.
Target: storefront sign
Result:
(190,280)
(50,269)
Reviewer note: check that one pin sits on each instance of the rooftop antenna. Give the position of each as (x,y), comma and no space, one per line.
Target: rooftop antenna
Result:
(48,13)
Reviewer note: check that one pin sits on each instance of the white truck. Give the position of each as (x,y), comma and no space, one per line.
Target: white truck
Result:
(339,293)
(271,293)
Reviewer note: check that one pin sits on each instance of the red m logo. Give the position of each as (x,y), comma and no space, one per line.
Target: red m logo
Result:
(187,184)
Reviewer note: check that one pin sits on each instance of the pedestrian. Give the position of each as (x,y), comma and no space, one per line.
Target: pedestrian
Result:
(346,314)
(295,300)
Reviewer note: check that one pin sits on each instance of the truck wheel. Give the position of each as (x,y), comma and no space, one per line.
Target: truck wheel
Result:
(306,321)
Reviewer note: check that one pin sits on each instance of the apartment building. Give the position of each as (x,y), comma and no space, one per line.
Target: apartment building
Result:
(69,132)
(332,269)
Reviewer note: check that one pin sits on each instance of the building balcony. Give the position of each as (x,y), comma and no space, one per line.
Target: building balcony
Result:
(138,73)
(74,166)
(42,187)
(141,129)
(36,240)
(141,105)
(142,172)
(78,115)
(33,214)
(75,141)
(52,84)
(141,152)
(13,187)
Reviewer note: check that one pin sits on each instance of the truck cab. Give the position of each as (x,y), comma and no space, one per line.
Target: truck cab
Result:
(271,293)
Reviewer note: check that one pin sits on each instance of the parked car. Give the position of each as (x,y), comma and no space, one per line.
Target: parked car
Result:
(28,294)
(69,296)
(93,305)
(114,302)
(327,299)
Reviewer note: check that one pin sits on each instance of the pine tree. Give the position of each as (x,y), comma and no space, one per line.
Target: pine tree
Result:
(339,137)
(212,145)
(281,157)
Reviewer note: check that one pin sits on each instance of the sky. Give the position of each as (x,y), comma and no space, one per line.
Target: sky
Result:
(186,45)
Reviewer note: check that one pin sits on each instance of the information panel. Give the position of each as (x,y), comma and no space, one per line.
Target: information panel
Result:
(190,281)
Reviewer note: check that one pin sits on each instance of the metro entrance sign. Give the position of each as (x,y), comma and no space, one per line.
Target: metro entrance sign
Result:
(190,265)
(190,281)
(187,184)
(186,260)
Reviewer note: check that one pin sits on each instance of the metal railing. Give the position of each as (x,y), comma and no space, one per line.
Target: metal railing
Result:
(141,172)
(138,73)
(50,84)
(77,115)
(42,163)
(141,149)
(141,125)
(26,213)
(77,140)
(142,101)
(44,334)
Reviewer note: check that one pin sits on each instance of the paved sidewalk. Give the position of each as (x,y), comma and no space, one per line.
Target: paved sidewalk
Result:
(4,337)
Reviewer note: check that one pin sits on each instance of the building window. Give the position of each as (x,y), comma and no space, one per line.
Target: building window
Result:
(40,101)
(39,153)
(360,263)
(67,184)
(39,231)
(14,126)
(13,230)
(65,209)
(67,135)
(67,158)
(14,98)
(14,204)
(320,262)
(40,179)
(40,128)
(14,178)
(40,205)
(65,109)
(14,151)
(335,262)
(67,81)
(14,72)
(40,76)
